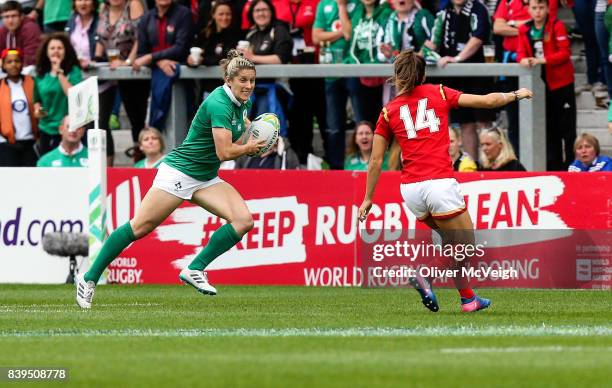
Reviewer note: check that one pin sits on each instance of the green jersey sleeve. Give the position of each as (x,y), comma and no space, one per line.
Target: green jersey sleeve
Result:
(220,115)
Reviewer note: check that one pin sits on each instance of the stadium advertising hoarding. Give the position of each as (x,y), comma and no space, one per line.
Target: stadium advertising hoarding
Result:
(36,201)
(306,231)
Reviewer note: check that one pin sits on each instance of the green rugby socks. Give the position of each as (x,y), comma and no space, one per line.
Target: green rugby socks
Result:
(221,241)
(114,244)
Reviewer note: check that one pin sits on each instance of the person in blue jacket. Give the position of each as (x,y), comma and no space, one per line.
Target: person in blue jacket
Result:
(588,159)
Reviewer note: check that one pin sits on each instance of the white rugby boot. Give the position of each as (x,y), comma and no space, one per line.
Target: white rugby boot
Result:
(198,280)
(84,291)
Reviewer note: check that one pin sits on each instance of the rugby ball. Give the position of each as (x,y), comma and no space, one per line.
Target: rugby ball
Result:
(265,126)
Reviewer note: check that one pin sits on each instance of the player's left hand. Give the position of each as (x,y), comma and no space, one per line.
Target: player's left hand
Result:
(364,209)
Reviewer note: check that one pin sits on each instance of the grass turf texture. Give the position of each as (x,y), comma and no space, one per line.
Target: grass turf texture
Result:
(294,336)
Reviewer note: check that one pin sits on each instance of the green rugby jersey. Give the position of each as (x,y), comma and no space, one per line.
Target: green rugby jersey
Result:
(197,157)
(328,19)
(60,158)
(353,162)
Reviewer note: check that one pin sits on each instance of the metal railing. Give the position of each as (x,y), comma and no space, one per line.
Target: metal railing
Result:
(532,114)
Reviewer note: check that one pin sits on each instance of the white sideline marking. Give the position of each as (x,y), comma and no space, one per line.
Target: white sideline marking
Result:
(457,331)
(526,349)
(61,308)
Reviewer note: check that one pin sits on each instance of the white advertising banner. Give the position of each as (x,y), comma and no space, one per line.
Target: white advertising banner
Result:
(36,201)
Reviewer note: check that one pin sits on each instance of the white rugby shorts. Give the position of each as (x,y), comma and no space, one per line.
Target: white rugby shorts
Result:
(178,184)
(438,198)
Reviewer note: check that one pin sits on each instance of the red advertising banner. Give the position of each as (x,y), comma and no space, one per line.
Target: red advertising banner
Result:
(553,230)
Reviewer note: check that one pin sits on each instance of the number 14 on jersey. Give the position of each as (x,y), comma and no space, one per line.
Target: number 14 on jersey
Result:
(425,118)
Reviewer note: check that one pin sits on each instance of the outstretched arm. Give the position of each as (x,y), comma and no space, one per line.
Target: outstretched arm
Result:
(374,168)
(492,100)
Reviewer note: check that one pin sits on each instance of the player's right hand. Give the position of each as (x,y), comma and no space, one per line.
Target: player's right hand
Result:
(524,93)
(364,209)
(253,145)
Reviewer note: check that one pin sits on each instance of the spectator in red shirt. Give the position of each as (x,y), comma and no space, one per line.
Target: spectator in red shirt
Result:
(509,16)
(245,23)
(544,41)
(308,93)
(19,31)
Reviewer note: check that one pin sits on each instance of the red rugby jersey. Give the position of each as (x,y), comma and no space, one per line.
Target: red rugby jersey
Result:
(419,122)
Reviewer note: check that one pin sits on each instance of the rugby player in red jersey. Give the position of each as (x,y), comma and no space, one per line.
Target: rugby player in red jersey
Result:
(418,119)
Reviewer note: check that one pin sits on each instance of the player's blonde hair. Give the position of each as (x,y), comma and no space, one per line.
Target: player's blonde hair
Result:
(235,62)
(506,154)
(409,71)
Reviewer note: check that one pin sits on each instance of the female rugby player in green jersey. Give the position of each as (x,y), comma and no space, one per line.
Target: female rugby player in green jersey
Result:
(189,172)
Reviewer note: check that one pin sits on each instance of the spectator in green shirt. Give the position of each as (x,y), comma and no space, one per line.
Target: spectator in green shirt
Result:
(70,152)
(57,69)
(407,28)
(55,14)
(151,143)
(360,148)
(363,49)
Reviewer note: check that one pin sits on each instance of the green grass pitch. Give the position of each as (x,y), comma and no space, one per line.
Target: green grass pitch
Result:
(295,336)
